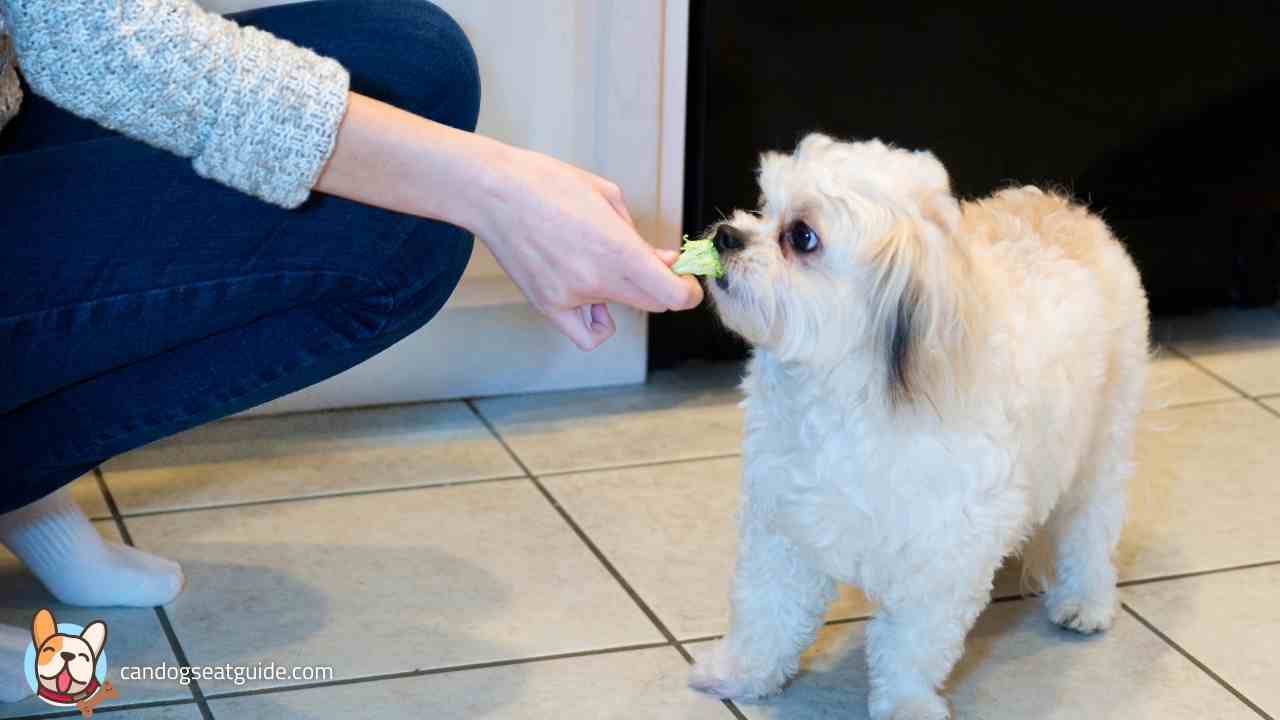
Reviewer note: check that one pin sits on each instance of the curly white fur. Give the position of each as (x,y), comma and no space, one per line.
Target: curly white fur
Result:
(929,387)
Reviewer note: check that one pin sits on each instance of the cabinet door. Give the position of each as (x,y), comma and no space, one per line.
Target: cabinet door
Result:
(597,83)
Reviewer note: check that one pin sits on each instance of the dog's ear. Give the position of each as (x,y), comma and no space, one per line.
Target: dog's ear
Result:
(932,191)
(43,627)
(918,315)
(95,633)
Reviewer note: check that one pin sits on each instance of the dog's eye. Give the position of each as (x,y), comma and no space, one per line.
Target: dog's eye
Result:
(86,657)
(46,650)
(801,237)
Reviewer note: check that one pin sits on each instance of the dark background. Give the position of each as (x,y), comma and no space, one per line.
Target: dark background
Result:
(1160,117)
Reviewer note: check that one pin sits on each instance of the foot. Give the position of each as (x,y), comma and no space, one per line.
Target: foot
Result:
(1083,613)
(64,551)
(722,675)
(13,655)
(919,707)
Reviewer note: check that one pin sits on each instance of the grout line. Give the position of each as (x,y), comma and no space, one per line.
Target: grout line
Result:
(630,466)
(733,709)
(582,535)
(435,671)
(1204,668)
(600,556)
(1207,371)
(179,654)
(700,639)
(1196,573)
(501,440)
(1266,407)
(1256,401)
(1032,596)
(403,488)
(104,709)
(325,496)
(1196,403)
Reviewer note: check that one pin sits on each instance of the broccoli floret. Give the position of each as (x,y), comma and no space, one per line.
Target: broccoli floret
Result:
(698,257)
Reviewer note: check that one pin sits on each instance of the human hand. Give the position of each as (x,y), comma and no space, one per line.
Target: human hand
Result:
(562,234)
(566,238)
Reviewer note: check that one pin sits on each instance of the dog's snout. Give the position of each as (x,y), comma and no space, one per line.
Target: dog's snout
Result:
(728,238)
(67,655)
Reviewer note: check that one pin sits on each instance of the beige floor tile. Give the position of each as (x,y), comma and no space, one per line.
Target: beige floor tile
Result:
(389,582)
(1017,666)
(1228,621)
(670,530)
(678,415)
(1240,346)
(1174,381)
(88,495)
(308,455)
(1273,403)
(134,635)
(1205,494)
(638,684)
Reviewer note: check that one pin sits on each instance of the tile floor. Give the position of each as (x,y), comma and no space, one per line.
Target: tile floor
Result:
(565,555)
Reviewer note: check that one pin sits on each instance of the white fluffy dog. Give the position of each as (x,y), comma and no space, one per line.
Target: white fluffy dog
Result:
(932,383)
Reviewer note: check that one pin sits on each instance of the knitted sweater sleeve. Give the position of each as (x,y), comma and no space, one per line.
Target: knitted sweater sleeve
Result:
(251,110)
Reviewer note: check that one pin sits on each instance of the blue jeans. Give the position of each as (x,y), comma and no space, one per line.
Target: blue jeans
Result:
(138,300)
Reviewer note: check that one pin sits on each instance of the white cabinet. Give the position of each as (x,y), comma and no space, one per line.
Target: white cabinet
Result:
(598,83)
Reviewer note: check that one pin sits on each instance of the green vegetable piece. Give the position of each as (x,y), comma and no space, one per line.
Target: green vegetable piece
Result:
(698,257)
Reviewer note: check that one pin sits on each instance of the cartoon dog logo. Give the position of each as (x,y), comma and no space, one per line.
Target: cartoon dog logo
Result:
(67,659)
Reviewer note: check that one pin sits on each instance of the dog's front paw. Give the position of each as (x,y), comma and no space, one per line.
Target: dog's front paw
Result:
(1082,614)
(721,675)
(918,707)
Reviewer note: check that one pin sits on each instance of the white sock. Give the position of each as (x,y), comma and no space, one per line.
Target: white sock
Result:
(13,656)
(63,549)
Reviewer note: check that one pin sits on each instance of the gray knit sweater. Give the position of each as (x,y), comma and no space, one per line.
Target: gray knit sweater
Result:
(252,111)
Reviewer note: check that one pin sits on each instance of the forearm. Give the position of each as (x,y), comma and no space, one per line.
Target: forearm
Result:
(396,160)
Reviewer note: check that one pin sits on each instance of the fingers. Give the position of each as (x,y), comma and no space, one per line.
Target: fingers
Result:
(693,290)
(652,276)
(658,288)
(628,293)
(582,328)
(599,313)
(668,258)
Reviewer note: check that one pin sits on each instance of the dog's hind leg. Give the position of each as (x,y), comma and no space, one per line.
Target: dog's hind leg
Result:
(1084,528)
(777,604)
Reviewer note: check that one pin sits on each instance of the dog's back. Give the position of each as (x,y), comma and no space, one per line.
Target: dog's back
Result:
(1062,230)
(1075,296)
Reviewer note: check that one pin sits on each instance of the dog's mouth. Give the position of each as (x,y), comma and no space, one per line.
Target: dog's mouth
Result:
(722,282)
(62,680)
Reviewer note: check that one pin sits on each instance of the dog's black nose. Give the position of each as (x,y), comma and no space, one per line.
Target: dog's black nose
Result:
(728,239)
(67,655)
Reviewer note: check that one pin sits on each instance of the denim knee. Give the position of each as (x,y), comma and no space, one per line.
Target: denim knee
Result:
(460,104)
(422,277)
(442,81)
